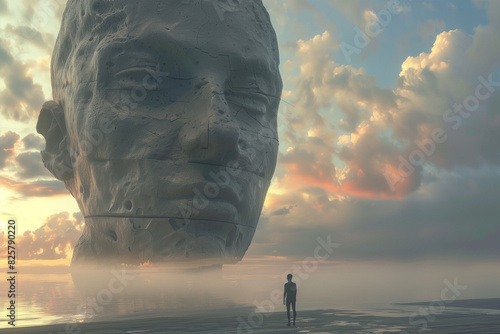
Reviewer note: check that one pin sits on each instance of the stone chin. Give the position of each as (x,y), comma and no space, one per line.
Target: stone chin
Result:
(134,240)
(153,210)
(156,211)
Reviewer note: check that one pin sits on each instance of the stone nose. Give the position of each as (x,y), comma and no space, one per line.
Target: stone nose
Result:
(212,137)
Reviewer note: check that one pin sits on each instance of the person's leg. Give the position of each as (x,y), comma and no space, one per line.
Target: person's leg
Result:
(288,311)
(294,313)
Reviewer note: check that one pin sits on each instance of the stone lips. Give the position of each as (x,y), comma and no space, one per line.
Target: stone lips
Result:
(157,188)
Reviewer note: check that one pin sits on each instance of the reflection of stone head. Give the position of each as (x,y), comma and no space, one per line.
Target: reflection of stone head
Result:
(164,125)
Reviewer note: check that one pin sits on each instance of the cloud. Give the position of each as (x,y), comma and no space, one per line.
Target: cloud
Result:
(34,8)
(30,165)
(44,41)
(345,134)
(4,8)
(309,164)
(21,99)
(429,29)
(390,132)
(369,159)
(59,7)
(288,18)
(353,10)
(358,11)
(40,188)
(283,211)
(436,87)
(314,61)
(429,6)
(303,211)
(300,5)
(5,57)
(324,85)
(33,142)
(454,217)
(8,141)
(55,239)
(27,164)
(486,44)
(293,6)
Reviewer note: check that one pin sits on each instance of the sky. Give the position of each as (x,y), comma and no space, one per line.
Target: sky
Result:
(388,127)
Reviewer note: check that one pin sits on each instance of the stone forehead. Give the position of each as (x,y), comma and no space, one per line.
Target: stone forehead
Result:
(86,23)
(96,17)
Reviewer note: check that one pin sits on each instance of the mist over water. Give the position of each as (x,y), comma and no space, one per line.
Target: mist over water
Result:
(59,296)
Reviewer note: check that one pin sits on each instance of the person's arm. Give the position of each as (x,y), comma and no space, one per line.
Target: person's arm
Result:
(284,295)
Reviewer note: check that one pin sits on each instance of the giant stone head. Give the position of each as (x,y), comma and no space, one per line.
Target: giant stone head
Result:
(164,126)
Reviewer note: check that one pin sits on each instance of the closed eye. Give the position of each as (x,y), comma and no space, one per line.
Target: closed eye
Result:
(249,99)
(151,80)
(139,76)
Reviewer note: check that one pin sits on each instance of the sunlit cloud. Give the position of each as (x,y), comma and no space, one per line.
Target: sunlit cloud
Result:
(41,188)
(55,239)
(8,142)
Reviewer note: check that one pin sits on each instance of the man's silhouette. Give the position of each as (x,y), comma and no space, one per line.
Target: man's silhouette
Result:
(289,296)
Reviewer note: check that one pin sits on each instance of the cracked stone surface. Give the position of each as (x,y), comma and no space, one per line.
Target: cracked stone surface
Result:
(164,126)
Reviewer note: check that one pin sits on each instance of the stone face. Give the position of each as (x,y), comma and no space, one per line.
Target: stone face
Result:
(164,126)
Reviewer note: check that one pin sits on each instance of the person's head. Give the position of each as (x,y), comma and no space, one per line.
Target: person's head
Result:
(166,110)
(289,277)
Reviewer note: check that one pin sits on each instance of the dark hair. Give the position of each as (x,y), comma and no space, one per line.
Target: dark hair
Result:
(289,276)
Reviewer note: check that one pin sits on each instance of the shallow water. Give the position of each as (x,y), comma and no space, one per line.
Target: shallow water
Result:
(57,296)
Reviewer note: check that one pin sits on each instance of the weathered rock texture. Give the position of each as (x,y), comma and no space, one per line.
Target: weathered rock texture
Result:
(164,126)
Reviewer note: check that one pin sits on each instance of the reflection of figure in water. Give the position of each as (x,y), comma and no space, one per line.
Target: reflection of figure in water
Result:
(289,296)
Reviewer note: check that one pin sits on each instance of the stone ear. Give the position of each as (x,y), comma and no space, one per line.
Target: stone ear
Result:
(52,125)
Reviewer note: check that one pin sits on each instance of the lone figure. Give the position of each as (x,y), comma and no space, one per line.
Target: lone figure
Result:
(289,296)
